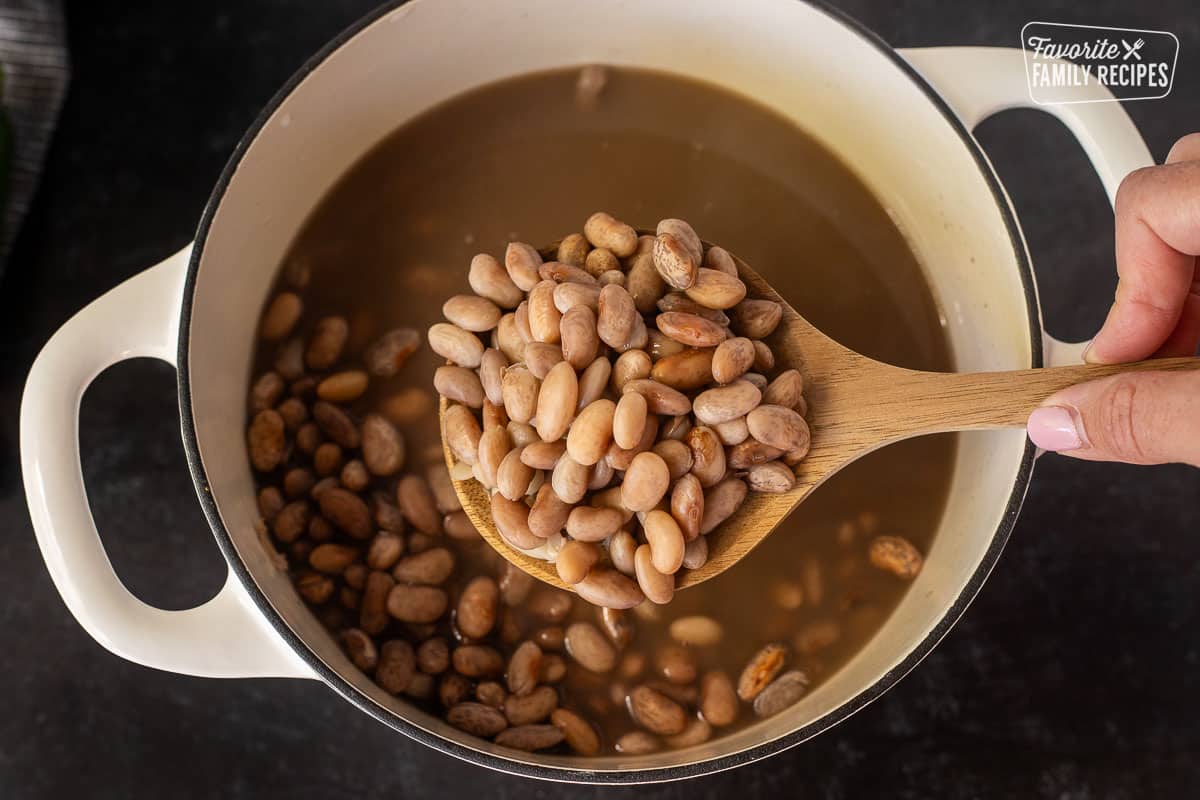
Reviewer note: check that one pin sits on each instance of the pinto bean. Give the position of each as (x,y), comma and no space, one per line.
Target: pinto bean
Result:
(604,230)
(658,587)
(660,398)
(779,427)
(621,549)
(347,511)
(718,699)
(326,344)
(524,668)
(686,370)
(544,317)
(644,284)
(896,555)
(724,403)
(716,289)
(676,455)
(782,693)
(491,372)
(397,666)
(617,317)
(549,514)
(733,432)
(666,541)
(477,719)
(646,482)
(530,737)
(281,316)
(336,424)
(675,261)
(266,440)
(589,524)
(462,432)
(697,630)
(489,279)
(591,432)
(566,273)
(708,456)
(600,261)
(773,477)
(513,476)
(718,258)
(478,606)
(507,338)
(732,359)
(630,365)
(656,712)
(687,505)
(750,453)
(409,603)
(556,402)
(549,604)
(472,312)
(761,670)
(690,330)
(430,567)
(593,382)
(455,344)
(360,647)
(684,234)
(520,390)
(589,647)
(569,479)
(477,661)
(637,743)
(494,446)
(695,554)
(720,502)
(332,559)
(521,261)
(573,249)
(459,384)
(755,319)
(580,341)
(512,522)
(453,690)
(578,733)
(609,588)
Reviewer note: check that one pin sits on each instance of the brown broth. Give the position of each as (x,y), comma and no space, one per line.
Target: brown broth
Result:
(520,159)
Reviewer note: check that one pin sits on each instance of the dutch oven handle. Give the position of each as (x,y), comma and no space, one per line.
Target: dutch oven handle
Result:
(227,636)
(979,81)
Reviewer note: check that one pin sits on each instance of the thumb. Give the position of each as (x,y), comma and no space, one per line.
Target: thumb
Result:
(1137,418)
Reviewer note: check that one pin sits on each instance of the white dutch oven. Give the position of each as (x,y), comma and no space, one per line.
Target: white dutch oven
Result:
(901,119)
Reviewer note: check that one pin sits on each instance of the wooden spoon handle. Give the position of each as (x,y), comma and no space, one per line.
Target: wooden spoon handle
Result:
(933,402)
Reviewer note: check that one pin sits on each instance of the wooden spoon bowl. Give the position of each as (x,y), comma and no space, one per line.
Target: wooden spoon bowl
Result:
(856,405)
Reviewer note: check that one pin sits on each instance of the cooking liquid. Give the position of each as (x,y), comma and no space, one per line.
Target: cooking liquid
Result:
(523,159)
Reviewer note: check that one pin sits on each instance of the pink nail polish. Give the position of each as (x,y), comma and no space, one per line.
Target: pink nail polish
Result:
(1055,428)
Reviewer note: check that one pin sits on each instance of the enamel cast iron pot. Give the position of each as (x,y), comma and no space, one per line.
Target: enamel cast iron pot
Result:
(901,119)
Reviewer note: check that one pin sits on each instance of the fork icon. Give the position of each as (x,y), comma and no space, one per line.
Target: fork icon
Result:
(1132,49)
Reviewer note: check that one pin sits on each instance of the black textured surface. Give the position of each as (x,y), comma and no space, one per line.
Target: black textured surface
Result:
(1072,675)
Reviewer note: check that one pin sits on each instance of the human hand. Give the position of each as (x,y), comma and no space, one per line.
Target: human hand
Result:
(1145,417)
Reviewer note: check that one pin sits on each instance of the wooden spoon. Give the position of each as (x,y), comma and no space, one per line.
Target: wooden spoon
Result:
(856,405)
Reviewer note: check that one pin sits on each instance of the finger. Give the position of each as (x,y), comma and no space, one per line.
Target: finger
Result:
(1186,149)
(1185,339)
(1137,418)
(1157,239)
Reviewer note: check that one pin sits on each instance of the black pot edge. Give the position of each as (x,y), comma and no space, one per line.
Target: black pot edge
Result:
(533,770)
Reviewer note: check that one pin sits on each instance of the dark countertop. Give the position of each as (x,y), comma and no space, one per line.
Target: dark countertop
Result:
(1073,675)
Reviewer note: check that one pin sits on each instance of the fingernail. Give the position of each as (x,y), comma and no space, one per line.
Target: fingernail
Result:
(1086,351)
(1055,428)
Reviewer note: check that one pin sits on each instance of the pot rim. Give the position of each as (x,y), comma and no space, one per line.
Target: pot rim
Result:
(556,773)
